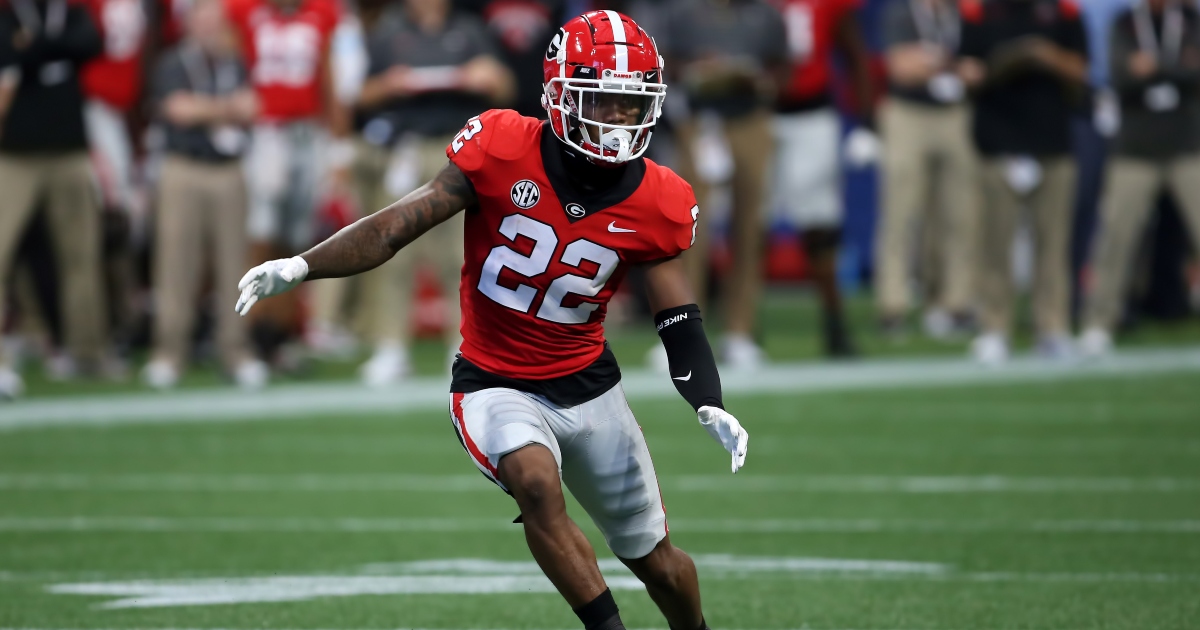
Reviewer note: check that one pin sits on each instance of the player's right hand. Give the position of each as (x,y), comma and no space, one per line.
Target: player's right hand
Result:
(724,428)
(270,278)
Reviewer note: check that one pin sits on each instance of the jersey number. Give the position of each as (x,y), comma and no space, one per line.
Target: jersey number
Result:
(801,33)
(695,223)
(287,54)
(545,241)
(124,23)
(473,127)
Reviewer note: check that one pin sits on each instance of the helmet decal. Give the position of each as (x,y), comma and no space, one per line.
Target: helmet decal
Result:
(556,44)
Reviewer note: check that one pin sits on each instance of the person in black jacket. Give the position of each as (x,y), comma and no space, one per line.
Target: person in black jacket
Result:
(1155,62)
(44,157)
(1026,61)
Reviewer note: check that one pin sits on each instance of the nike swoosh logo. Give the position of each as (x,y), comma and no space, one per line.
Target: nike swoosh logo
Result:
(612,227)
(683,378)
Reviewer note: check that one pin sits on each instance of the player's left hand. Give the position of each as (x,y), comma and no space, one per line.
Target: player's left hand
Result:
(270,278)
(728,431)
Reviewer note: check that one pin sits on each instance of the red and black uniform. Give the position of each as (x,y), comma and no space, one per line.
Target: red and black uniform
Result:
(115,77)
(286,52)
(811,31)
(543,257)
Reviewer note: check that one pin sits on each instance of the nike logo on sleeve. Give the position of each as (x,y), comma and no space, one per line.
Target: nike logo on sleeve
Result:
(683,378)
(612,227)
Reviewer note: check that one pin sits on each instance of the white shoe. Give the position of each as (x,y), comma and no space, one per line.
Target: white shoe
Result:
(11,384)
(160,374)
(938,324)
(331,341)
(990,349)
(1095,343)
(656,359)
(252,375)
(741,353)
(389,365)
(1057,347)
(61,367)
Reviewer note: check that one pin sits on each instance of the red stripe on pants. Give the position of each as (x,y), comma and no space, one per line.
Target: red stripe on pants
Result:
(460,419)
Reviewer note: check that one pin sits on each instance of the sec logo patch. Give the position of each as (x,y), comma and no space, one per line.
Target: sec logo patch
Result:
(525,194)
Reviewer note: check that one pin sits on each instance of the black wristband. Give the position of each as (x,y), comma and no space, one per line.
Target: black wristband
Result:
(693,368)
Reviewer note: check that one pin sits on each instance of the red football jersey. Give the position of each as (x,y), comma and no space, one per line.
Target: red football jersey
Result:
(811,26)
(540,264)
(286,52)
(115,77)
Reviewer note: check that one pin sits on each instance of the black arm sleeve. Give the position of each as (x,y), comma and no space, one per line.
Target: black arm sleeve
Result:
(693,368)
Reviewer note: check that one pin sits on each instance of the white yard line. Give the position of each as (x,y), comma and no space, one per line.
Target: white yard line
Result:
(464,576)
(502,578)
(692,484)
(149,524)
(339,399)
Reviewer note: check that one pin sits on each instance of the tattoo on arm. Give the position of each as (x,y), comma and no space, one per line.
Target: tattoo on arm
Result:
(373,240)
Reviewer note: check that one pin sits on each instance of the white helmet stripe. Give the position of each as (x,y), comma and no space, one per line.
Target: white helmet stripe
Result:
(618,29)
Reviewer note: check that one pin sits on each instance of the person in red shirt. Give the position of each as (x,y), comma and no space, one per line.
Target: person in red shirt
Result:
(112,83)
(286,45)
(807,181)
(556,213)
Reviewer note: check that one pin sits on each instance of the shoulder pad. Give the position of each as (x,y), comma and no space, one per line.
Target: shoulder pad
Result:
(495,135)
(512,134)
(677,211)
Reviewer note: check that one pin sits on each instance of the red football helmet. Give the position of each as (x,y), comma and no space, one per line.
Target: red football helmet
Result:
(603,86)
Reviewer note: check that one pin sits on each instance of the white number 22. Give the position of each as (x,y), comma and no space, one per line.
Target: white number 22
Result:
(536,263)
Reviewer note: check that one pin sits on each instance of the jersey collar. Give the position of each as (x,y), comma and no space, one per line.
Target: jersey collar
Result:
(568,193)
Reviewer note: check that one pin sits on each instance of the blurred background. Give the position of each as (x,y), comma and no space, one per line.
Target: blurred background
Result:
(879,177)
(925,226)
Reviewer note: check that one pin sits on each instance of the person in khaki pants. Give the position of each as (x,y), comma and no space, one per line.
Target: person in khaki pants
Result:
(43,158)
(729,58)
(1027,63)
(204,106)
(1155,68)
(930,170)
(389,292)
(430,69)
(750,144)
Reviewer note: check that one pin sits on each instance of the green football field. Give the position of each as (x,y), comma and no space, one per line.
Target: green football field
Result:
(1033,504)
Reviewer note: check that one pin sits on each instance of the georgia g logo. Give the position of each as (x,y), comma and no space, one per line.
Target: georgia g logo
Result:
(525,194)
(556,45)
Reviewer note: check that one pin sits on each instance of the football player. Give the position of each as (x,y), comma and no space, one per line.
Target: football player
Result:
(556,213)
(286,45)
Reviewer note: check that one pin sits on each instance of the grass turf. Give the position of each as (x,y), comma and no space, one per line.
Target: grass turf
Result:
(1115,557)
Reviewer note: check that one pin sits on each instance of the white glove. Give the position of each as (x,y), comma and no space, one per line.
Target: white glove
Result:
(270,278)
(728,431)
(862,148)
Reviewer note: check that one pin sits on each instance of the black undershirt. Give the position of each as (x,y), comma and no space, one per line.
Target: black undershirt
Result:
(575,179)
(565,391)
